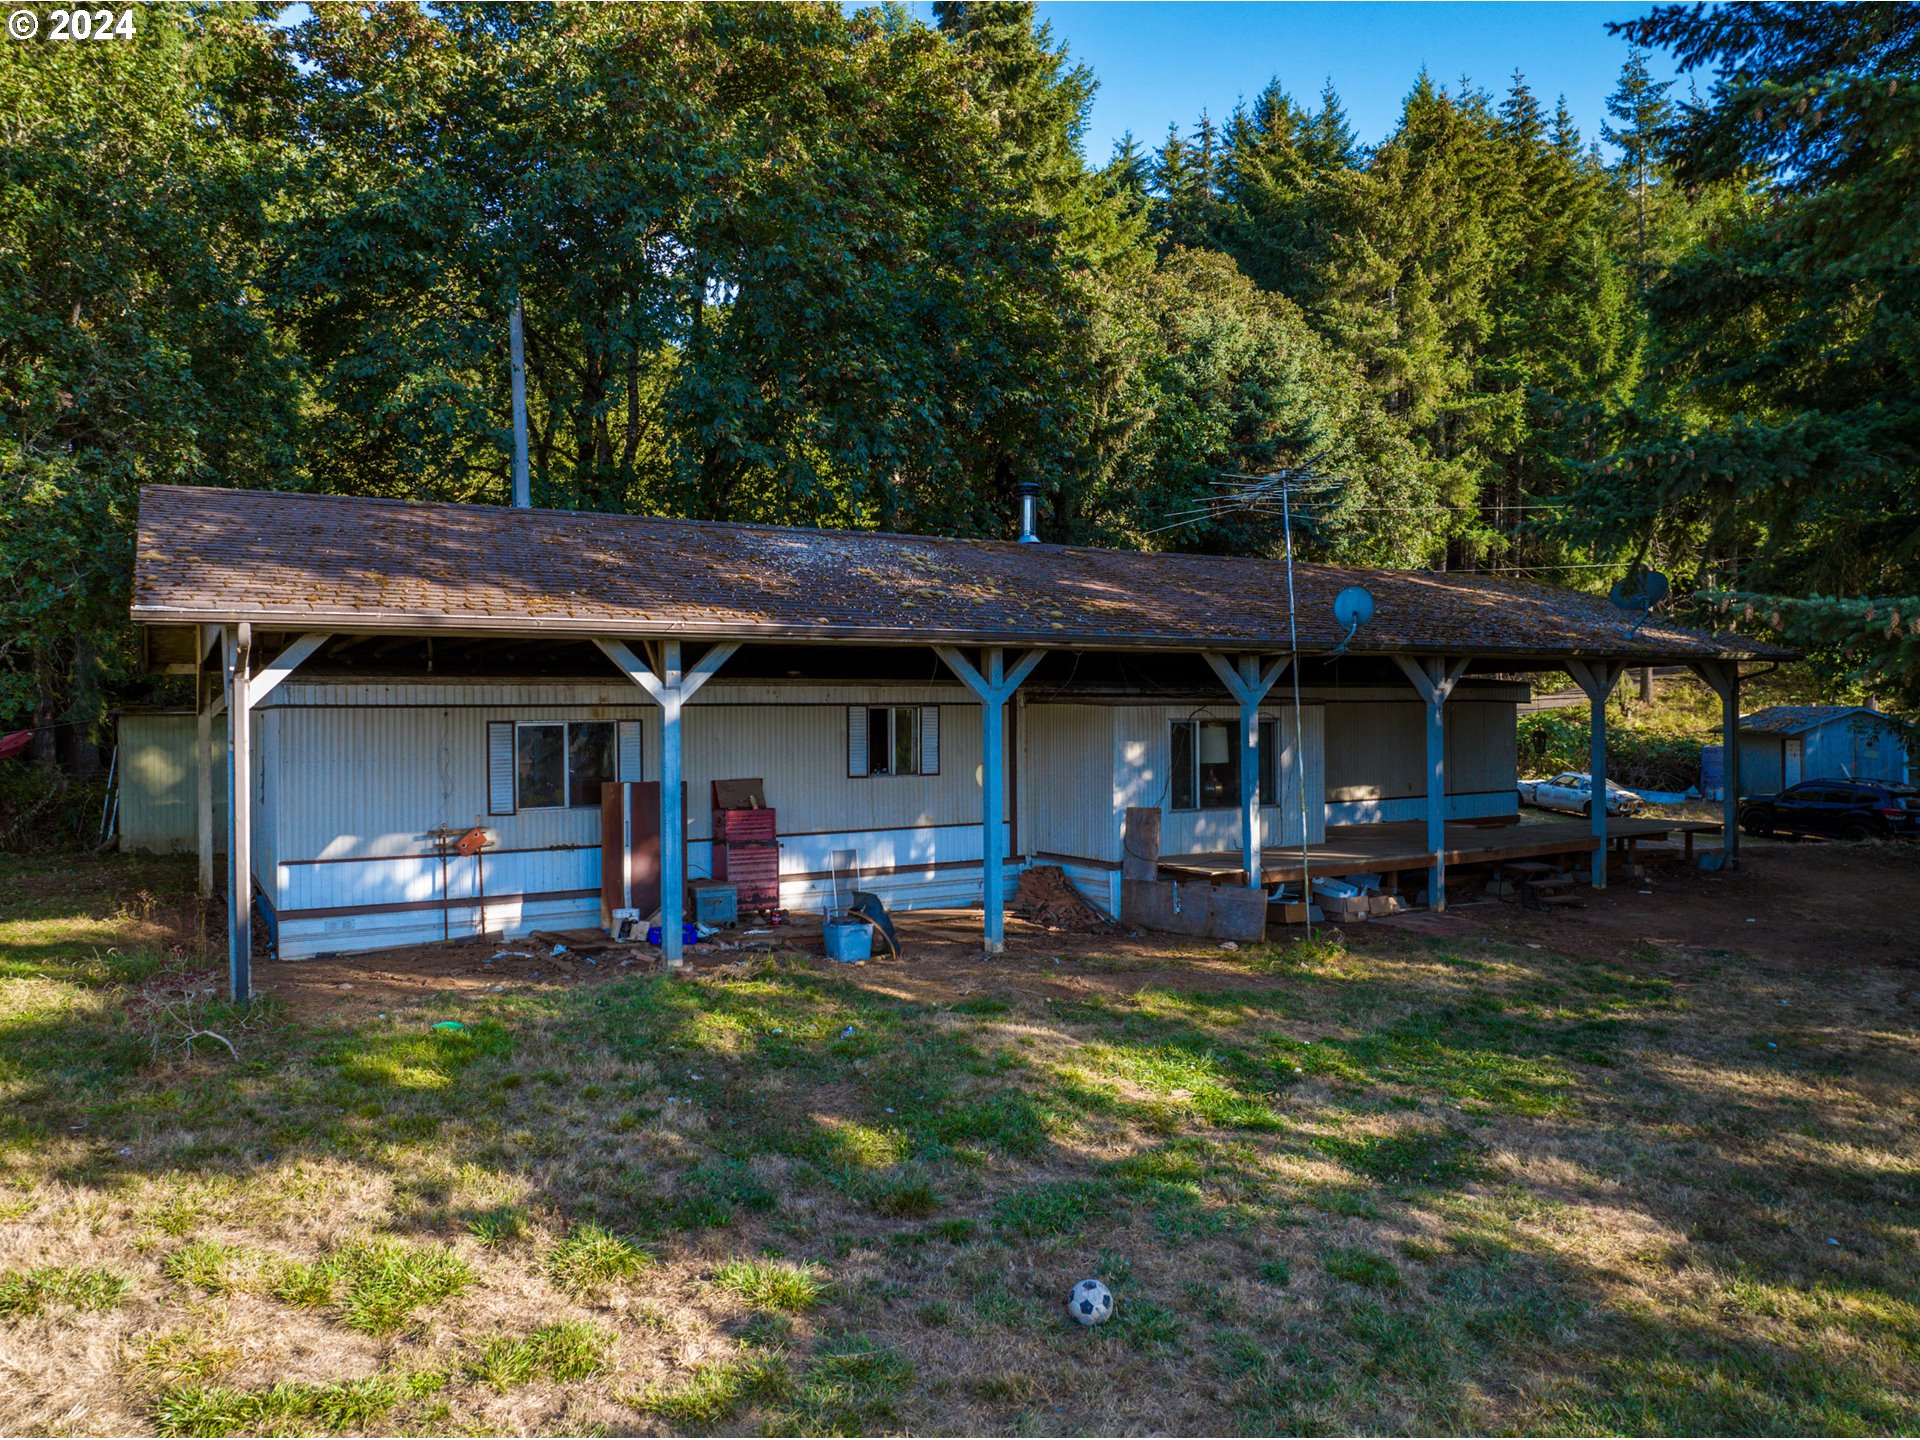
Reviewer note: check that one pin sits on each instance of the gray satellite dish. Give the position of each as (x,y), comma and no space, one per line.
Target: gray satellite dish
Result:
(1352,607)
(1641,591)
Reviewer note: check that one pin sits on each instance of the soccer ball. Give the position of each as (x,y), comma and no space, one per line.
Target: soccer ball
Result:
(1091,1303)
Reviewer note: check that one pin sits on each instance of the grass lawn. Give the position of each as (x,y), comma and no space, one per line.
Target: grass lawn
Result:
(1411,1185)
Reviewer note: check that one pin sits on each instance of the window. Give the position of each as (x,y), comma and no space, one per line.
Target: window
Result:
(1206,764)
(893,740)
(561,763)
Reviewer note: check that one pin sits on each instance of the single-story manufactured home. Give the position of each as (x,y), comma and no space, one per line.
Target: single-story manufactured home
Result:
(931,715)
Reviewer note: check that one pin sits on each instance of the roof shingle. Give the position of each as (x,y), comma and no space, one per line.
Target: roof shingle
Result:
(311,562)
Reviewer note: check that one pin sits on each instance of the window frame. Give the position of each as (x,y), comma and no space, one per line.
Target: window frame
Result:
(891,748)
(1267,785)
(566,728)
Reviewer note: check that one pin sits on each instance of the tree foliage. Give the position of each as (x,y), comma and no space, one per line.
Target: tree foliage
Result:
(799,263)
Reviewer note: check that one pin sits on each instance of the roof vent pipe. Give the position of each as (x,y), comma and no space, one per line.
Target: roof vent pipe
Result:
(1029,493)
(522,489)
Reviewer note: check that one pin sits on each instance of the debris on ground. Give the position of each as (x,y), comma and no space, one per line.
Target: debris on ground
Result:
(1048,898)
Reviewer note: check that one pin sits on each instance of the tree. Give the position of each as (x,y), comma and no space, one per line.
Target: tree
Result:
(1789,449)
(136,179)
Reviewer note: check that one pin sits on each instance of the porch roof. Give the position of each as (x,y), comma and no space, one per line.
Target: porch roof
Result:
(311,562)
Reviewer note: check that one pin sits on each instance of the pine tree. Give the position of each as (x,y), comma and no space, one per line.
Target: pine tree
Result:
(1786,437)
(1644,113)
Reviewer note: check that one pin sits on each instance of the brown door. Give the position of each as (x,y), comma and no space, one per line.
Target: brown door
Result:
(630,846)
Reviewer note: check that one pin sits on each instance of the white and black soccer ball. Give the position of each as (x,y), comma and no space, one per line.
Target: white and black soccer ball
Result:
(1091,1303)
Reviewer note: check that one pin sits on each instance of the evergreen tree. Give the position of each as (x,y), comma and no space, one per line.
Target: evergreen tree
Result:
(1644,114)
(1786,332)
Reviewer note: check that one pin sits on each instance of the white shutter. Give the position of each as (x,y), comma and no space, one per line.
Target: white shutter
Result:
(500,767)
(857,753)
(627,750)
(929,739)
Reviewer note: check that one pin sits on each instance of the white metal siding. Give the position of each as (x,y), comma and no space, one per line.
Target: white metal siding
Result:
(158,783)
(1067,782)
(1143,748)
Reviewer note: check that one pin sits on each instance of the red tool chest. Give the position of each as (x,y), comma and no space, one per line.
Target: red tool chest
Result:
(746,846)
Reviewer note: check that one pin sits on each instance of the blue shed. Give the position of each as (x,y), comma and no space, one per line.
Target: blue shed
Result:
(1785,744)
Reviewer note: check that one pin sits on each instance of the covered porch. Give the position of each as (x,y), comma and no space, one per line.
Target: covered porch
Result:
(1399,847)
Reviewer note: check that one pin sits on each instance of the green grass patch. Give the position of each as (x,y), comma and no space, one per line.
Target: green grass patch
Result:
(340,1405)
(566,1350)
(772,1284)
(72,1287)
(1061,1207)
(716,1392)
(1361,1267)
(591,1258)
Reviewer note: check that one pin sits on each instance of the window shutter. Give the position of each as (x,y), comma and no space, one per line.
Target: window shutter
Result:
(857,754)
(500,767)
(929,739)
(627,751)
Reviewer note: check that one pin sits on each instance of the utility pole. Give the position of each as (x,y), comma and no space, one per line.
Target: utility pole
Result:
(522,486)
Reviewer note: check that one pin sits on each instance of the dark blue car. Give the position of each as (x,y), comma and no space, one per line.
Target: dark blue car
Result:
(1851,809)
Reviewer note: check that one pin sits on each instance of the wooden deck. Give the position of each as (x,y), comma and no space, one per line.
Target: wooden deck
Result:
(1398,846)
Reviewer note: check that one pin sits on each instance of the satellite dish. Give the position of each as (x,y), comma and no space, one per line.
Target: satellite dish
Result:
(1641,591)
(1352,607)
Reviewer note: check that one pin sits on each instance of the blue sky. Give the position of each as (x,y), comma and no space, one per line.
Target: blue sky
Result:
(1159,61)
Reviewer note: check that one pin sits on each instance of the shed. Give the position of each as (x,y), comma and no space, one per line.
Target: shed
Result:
(1785,744)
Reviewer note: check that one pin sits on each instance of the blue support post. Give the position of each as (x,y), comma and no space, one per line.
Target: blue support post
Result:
(1597,680)
(1249,683)
(993,802)
(1434,676)
(993,684)
(673,877)
(670,689)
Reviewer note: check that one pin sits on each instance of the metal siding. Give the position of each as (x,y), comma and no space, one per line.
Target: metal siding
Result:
(157,783)
(366,770)
(1760,764)
(1376,752)
(1068,793)
(1143,754)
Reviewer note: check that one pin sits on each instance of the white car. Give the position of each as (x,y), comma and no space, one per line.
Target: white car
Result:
(1573,792)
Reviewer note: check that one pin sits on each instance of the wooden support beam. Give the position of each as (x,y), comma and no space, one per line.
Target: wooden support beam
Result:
(239,651)
(1249,683)
(1723,678)
(993,683)
(1597,679)
(670,687)
(1434,677)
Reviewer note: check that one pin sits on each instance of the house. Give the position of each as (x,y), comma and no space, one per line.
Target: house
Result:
(945,710)
(1785,744)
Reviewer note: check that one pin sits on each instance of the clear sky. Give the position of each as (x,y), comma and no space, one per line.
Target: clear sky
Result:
(1159,61)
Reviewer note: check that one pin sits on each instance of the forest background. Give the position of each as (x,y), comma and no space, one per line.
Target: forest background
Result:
(812,265)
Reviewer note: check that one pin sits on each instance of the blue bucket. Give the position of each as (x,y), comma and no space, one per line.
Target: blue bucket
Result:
(848,940)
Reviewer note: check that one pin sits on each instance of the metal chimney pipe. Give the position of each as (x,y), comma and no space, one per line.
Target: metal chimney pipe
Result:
(522,489)
(1029,493)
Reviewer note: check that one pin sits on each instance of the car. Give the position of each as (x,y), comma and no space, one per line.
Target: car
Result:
(1572,791)
(1851,809)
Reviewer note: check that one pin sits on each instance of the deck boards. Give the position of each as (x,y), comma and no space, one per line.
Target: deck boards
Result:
(1402,845)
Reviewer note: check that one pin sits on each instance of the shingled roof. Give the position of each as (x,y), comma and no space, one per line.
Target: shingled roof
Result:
(312,562)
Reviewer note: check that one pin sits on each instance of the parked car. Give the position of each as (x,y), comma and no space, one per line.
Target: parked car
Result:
(1851,809)
(1573,792)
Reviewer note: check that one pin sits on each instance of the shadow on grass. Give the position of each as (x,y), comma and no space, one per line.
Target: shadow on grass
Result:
(998,1132)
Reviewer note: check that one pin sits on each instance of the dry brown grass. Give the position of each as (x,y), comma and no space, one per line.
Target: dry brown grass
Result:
(1397,1185)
